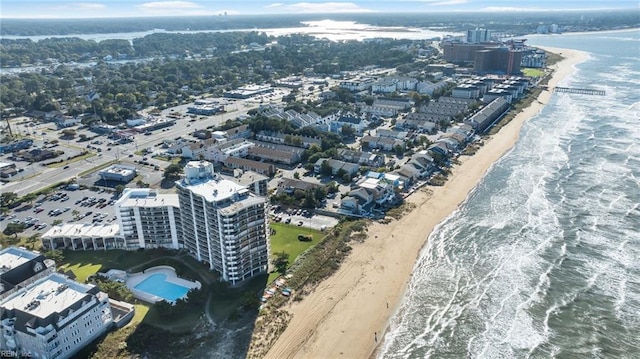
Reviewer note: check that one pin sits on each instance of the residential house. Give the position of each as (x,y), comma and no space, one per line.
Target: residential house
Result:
(265,169)
(399,135)
(242,131)
(272,155)
(363,158)
(358,123)
(483,119)
(336,165)
(382,143)
(466,91)
(290,185)
(294,140)
(384,85)
(428,87)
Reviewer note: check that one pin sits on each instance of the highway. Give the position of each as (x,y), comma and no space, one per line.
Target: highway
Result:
(36,177)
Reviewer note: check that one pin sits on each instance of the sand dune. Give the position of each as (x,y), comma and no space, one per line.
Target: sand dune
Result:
(349,311)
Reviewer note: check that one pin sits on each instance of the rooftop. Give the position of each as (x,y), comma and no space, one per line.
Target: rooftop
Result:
(83,230)
(216,189)
(145,197)
(13,257)
(52,294)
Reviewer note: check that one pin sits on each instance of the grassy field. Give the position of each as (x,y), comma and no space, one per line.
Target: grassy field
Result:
(531,72)
(85,263)
(286,239)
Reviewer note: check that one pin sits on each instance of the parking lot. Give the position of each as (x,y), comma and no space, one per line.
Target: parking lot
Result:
(302,218)
(67,206)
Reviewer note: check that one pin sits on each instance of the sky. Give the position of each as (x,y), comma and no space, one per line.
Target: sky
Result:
(137,8)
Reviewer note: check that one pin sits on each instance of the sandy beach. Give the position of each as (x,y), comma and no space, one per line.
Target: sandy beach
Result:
(348,314)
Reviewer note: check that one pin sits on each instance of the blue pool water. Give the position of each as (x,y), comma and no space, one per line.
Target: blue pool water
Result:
(157,285)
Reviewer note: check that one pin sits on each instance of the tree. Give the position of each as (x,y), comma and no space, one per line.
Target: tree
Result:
(75,213)
(29,197)
(57,222)
(8,198)
(309,199)
(32,239)
(172,172)
(142,184)
(347,131)
(119,189)
(163,308)
(14,228)
(325,168)
(296,175)
(281,262)
(68,133)
(56,255)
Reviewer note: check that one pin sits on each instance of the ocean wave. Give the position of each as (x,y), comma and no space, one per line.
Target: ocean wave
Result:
(541,259)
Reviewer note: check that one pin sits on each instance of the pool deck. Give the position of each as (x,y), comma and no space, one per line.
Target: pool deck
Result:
(135,278)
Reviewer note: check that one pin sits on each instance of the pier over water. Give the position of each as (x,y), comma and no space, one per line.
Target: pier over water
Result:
(580,91)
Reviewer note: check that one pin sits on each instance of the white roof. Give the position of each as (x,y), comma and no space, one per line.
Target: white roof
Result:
(49,295)
(83,230)
(13,257)
(216,189)
(145,197)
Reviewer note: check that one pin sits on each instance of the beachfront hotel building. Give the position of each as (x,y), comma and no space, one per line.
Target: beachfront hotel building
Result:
(148,219)
(223,223)
(53,317)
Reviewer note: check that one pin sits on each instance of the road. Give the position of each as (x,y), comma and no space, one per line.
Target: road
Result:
(36,177)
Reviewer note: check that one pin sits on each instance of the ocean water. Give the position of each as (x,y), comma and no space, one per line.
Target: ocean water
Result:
(543,258)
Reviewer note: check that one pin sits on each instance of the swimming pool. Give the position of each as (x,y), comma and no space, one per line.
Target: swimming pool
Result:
(156,284)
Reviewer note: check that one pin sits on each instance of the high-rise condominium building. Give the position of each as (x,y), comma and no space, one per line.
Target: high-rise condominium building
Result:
(148,219)
(223,223)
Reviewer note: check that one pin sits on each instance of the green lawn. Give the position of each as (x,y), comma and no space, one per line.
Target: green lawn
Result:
(286,239)
(85,263)
(531,72)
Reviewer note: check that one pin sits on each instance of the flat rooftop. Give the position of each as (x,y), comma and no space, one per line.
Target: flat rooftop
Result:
(119,169)
(13,257)
(52,294)
(144,197)
(217,189)
(83,230)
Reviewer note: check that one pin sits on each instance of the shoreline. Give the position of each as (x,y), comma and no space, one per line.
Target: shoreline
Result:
(349,313)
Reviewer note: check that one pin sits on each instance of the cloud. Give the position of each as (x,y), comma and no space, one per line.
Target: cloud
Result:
(82,6)
(166,5)
(326,7)
(448,2)
(89,6)
(276,4)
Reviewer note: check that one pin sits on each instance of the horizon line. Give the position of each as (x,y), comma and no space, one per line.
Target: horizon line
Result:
(372,12)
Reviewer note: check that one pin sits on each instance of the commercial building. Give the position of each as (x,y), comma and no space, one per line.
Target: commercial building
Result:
(118,173)
(223,223)
(53,317)
(147,219)
(248,91)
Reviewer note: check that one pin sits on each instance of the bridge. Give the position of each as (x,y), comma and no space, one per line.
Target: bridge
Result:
(580,91)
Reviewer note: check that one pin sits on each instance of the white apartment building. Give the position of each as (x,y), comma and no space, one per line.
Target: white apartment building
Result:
(148,219)
(53,317)
(223,223)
